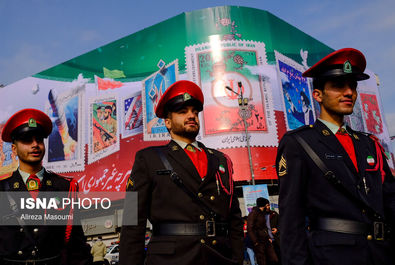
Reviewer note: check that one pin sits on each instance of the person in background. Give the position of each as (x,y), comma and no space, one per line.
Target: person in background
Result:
(261,234)
(248,245)
(98,251)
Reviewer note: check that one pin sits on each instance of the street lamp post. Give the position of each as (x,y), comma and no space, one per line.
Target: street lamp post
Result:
(243,108)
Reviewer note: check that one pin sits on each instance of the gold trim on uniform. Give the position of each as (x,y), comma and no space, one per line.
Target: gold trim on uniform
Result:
(174,148)
(355,136)
(16,185)
(325,132)
(211,152)
(48,182)
(282,166)
(130,184)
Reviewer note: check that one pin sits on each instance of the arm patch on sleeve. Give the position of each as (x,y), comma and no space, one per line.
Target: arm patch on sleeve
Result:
(282,166)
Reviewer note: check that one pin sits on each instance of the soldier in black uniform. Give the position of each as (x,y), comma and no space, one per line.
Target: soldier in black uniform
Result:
(186,191)
(24,243)
(337,193)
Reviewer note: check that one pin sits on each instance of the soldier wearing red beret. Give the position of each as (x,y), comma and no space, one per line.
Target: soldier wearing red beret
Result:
(337,193)
(37,244)
(186,191)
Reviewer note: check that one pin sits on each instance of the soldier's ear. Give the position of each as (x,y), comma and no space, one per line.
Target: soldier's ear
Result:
(168,123)
(317,95)
(13,148)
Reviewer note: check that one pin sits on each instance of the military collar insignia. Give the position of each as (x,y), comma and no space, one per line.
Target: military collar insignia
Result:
(48,182)
(174,148)
(187,97)
(347,68)
(16,185)
(32,184)
(325,132)
(355,136)
(209,150)
(190,148)
(282,166)
(32,123)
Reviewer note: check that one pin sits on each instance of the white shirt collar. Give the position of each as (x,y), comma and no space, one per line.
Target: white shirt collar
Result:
(183,144)
(25,175)
(333,127)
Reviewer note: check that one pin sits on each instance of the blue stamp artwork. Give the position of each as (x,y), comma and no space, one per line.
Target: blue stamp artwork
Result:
(296,97)
(154,87)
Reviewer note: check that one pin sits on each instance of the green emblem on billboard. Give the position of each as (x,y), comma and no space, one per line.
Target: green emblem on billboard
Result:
(347,68)
(32,123)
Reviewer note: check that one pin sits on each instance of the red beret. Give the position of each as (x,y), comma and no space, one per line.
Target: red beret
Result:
(179,93)
(343,62)
(31,118)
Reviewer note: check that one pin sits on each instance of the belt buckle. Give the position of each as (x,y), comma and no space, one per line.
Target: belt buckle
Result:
(210,228)
(378,230)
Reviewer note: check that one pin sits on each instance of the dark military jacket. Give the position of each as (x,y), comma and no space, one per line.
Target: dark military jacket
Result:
(36,242)
(162,201)
(305,195)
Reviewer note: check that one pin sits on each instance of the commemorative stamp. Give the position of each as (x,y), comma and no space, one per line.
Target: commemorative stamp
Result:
(372,114)
(8,159)
(355,120)
(66,143)
(103,127)
(225,70)
(153,88)
(132,115)
(295,93)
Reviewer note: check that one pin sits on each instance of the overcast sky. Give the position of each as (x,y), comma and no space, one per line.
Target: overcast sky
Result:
(38,34)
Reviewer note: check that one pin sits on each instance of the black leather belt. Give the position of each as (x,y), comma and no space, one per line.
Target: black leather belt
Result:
(209,229)
(44,261)
(376,231)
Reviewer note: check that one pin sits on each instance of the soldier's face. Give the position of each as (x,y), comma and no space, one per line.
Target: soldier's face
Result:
(107,114)
(338,96)
(30,149)
(184,123)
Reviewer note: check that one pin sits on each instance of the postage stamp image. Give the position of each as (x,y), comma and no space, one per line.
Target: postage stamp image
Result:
(66,143)
(356,120)
(8,159)
(224,71)
(295,93)
(103,127)
(371,111)
(153,88)
(132,115)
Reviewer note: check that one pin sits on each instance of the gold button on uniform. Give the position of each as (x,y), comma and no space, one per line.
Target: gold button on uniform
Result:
(214,242)
(369,237)
(20,252)
(202,241)
(200,195)
(201,217)
(212,198)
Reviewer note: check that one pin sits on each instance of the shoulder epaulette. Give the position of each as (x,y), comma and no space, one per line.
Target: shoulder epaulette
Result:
(6,176)
(301,128)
